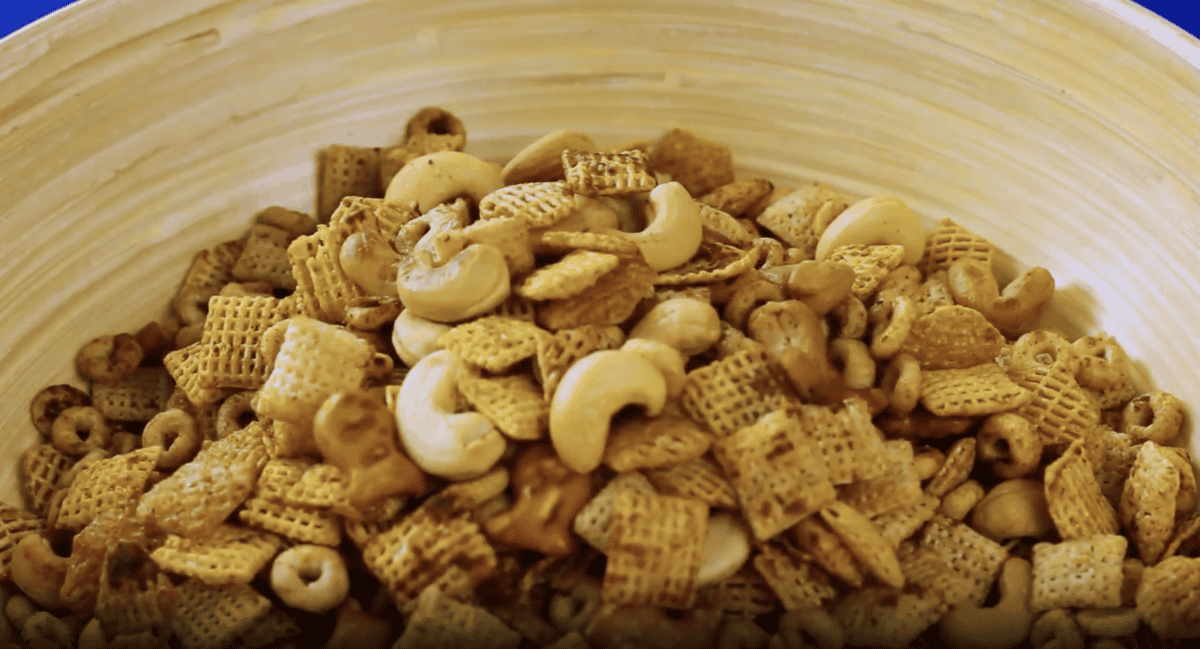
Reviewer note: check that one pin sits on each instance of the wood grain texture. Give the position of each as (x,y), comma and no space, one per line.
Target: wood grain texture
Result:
(133,132)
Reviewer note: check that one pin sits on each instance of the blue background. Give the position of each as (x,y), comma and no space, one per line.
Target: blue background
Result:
(15,14)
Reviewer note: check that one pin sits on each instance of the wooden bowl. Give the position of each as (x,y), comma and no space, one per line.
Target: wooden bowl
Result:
(135,132)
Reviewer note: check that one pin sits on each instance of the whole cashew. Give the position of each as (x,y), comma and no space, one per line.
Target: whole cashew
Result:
(896,320)
(902,381)
(471,283)
(1005,625)
(1118,622)
(415,338)
(38,571)
(797,626)
(432,179)
(821,285)
(726,549)
(541,160)
(1056,629)
(590,393)
(875,220)
(1010,444)
(959,501)
(972,284)
(1013,509)
(311,578)
(442,442)
(674,233)
(669,361)
(689,325)
(369,260)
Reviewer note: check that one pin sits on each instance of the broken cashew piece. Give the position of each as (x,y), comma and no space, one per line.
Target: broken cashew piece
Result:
(590,393)
(369,261)
(38,571)
(726,549)
(674,233)
(455,446)
(1003,626)
(666,358)
(689,325)
(433,179)
(873,221)
(414,337)
(473,282)
(1013,509)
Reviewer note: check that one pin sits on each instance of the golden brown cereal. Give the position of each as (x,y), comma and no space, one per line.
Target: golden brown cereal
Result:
(89,550)
(897,486)
(1060,409)
(51,401)
(212,616)
(174,431)
(1186,499)
(1083,572)
(111,485)
(230,356)
(694,162)
(108,359)
(229,555)
(306,525)
(610,301)
(801,217)
(539,204)
(1104,368)
(556,243)
(346,171)
(80,430)
(14,526)
(138,396)
(736,197)
(1155,416)
(594,521)
(264,258)
(700,479)
(853,449)
(777,472)
(966,552)
(796,581)
(41,468)
(494,343)
(654,550)
(952,337)
(900,523)
(825,547)
(950,242)
(440,621)
(981,390)
(881,617)
(322,284)
(567,277)
(548,497)
(558,352)
(863,540)
(514,404)
(1147,506)
(1168,597)
(870,263)
(208,273)
(960,460)
(185,366)
(363,214)
(732,393)
(273,627)
(641,442)
(607,174)
(926,572)
(134,596)
(713,261)
(720,227)
(1076,504)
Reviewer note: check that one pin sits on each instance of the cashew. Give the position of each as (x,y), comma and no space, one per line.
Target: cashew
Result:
(79,430)
(1008,442)
(590,215)
(541,160)
(1005,625)
(473,282)
(48,404)
(742,633)
(689,325)
(369,261)
(674,232)
(18,609)
(38,571)
(1156,416)
(972,284)
(1056,629)
(927,461)
(433,179)
(958,503)
(821,285)
(455,446)
(435,233)
(896,320)
(665,358)
(1013,509)
(858,368)
(571,611)
(852,318)
(793,337)
(875,220)
(415,338)
(902,382)
(311,578)
(1119,622)
(590,393)
(726,549)
(797,626)
(175,431)
(746,298)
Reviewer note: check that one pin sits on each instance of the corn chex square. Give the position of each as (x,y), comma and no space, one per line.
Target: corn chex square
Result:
(971,392)
(925,570)
(210,270)
(264,258)
(230,555)
(1061,411)
(797,582)
(14,526)
(134,596)
(733,392)
(641,442)
(828,550)
(494,343)
(745,594)
(210,617)
(185,365)
(1074,499)
(540,204)
(950,242)
(955,469)
(556,353)
(440,621)
(896,525)
(571,275)
(365,214)
(303,524)
(514,404)
(607,174)
(138,396)
(41,467)
(967,552)
(654,550)
(230,356)
(1084,572)
(953,337)
(1168,597)
(113,484)
(322,283)
(700,479)
(610,301)
(713,262)
(777,471)
(594,521)
(897,486)
(864,541)
(884,617)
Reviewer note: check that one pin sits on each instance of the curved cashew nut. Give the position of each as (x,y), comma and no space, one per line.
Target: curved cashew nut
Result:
(455,446)
(1003,626)
(1119,622)
(48,404)
(742,633)
(311,578)
(972,284)
(747,297)
(109,359)
(689,325)
(473,282)
(370,262)
(433,179)
(674,233)
(858,368)
(38,571)
(415,338)
(1155,416)
(80,430)
(875,220)
(896,321)
(666,358)
(590,393)
(927,461)
(1008,442)
(175,431)
(541,160)
(1056,629)
(726,549)
(821,285)
(902,382)
(960,500)
(798,625)
(1013,509)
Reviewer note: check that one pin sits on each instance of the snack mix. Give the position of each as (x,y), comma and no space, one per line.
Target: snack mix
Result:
(600,398)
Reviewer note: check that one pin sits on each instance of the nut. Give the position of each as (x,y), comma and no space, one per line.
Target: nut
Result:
(356,433)
(1013,509)
(433,179)
(794,338)
(38,571)
(1056,629)
(590,393)
(1003,626)
(872,221)
(369,261)
(902,382)
(311,578)
(972,284)
(471,283)
(896,319)
(858,368)
(443,442)
(669,361)
(1009,444)
(821,285)
(726,549)
(541,160)
(1119,622)
(958,502)
(674,231)
(798,626)
(414,337)
(689,325)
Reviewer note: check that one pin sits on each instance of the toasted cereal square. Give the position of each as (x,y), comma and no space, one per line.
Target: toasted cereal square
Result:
(698,164)
(114,484)
(720,226)
(607,174)
(557,243)
(440,621)
(714,261)
(540,204)
(41,467)
(641,442)
(870,263)
(898,486)
(610,301)
(346,171)
(701,479)
(1085,572)
(133,595)
(556,353)
(925,570)
(493,343)
(1115,463)
(1168,597)
(745,594)
(230,356)
(732,393)
(821,544)
(275,625)
(279,475)
(863,540)
(971,392)
(210,270)
(967,552)
(594,521)
(264,258)
(230,555)
(306,525)
(654,550)
(514,404)
(898,524)
(315,361)
(852,447)
(1147,507)
(1074,499)
(950,242)
(186,368)
(1060,410)
(139,396)
(321,282)
(953,337)
(777,471)
(797,582)
(321,486)
(801,217)
(210,617)
(569,276)
(883,617)
(14,526)
(738,196)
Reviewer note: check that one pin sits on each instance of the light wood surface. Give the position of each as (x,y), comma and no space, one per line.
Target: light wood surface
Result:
(134,132)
